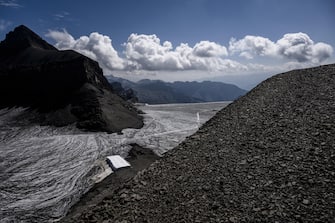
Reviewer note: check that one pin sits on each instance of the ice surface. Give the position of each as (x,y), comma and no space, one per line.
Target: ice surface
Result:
(44,169)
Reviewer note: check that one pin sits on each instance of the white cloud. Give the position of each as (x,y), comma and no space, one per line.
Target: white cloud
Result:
(146,52)
(209,49)
(96,46)
(63,39)
(250,46)
(61,15)
(292,46)
(299,47)
(4,24)
(10,3)
(321,51)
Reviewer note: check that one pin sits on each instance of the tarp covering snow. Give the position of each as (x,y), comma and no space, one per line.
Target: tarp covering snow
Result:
(117,162)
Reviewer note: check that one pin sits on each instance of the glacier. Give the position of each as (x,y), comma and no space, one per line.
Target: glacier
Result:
(45,169)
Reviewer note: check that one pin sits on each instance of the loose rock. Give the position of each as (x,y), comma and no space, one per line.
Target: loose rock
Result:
(261,164)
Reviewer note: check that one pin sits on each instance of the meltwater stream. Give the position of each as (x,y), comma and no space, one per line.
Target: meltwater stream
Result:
(44,169)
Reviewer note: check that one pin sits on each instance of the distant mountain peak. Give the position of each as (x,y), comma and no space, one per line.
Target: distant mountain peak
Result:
(21,38)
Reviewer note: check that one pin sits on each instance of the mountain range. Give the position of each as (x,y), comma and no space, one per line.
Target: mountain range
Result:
(160,92)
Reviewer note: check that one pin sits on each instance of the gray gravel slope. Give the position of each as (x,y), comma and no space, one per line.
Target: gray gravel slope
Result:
(267,157)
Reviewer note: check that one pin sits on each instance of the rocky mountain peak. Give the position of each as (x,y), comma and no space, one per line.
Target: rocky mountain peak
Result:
(65,87)
(21,38)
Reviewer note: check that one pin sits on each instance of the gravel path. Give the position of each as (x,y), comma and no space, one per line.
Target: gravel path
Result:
(267,157)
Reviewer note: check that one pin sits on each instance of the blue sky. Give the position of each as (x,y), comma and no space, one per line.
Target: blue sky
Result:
(130,35)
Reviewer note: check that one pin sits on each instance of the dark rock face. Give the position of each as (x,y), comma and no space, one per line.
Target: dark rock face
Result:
(267,157)
(35,74)
(127,94)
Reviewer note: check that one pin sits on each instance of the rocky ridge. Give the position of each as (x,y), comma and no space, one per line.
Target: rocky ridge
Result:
(267,157)
(63,86)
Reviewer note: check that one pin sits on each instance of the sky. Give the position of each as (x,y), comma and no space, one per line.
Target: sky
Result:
(236,41)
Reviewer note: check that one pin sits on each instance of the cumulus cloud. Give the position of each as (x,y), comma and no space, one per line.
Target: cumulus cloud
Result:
(209,49)
(148,53)
(63,39)
(300,47)
(96,46)
(250,46)
(293,46)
